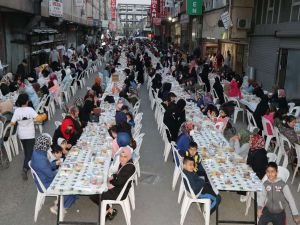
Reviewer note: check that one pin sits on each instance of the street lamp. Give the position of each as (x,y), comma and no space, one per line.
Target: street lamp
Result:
(170,18)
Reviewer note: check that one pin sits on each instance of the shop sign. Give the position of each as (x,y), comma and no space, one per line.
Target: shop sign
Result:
(184,19)
(113,9)
(194,7)
(79,3)
(153,9)
(156,21)
(56,8)
(225,17)
(163,11)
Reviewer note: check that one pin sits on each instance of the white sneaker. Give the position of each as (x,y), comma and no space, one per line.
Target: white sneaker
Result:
(243,198)
(53,209)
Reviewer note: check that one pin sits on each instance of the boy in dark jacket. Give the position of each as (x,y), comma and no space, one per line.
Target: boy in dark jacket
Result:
(272,199)
(198,185)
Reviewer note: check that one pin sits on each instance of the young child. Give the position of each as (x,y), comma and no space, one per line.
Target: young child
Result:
(56,157)
(193,153)
(222,120)
(213,114)
(198,184)
(64,146)
(272,199)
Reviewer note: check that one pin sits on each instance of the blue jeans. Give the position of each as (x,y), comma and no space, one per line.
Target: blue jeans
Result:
(69,200)
(212,198)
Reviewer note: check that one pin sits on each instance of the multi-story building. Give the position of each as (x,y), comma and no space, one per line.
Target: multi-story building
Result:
(29,28)
(275,44)
(233,39)
(132,17)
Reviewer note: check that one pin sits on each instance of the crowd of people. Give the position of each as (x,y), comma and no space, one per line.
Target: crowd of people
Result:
(214,101)
(48,152)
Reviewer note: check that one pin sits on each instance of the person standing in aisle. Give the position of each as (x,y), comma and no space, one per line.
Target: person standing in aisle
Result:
(24,117)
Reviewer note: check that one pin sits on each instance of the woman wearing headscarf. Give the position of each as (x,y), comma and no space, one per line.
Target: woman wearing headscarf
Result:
(261,108)
(257,156)
(86,111)
(97,86)
(74,116)
(288,130)
(117,181)
(180,114)
(219,90)
(67,131)
(234,90)
(185,137)
(42,166)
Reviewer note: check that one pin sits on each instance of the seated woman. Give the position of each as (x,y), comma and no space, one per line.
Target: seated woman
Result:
(42,166)
(86,111)
(234,88)
(185,137)
(288,130)
(97,87)
(117,181)
(257,156)
(219,90)
(67,131)
(74,116)
(270,117)
(240,142)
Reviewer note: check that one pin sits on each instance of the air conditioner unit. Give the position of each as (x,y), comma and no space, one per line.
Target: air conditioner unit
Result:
(243,23)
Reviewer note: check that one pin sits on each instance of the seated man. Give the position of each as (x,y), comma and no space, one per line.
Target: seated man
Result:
(200,188)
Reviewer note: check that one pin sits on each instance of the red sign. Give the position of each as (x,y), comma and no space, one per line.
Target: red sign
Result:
(153,9)
(113,9)
(163,11)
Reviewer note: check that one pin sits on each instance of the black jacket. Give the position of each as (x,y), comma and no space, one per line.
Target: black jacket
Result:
(119,180)
(258,161)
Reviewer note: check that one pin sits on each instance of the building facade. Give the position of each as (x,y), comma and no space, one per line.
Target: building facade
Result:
(31,27)
(275,41)
(132,18)
(233,36)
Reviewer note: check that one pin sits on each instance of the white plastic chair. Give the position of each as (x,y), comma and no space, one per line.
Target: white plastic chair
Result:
(189,198)
(177,168)
(7,142)
(265,132)
(57,123)
(251,121)
(125,204)
(14,140)
(215,95)
(271,157)
(40,198)
(295,111)
(291,106)
(282,152)
(168,146)
(237,109)
(297,147)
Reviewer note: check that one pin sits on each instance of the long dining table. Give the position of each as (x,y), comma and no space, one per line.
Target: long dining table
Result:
(85,169)
(225,169)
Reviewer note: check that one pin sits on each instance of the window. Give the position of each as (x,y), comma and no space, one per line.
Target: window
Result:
(285,10)
(295,11)
(270,11)
(259,5)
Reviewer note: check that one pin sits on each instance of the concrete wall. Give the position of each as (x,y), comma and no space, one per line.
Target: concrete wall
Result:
(20,5)
(210,25)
